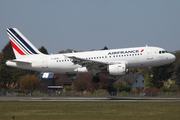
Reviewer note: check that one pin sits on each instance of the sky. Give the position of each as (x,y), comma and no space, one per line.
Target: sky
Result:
(84,25)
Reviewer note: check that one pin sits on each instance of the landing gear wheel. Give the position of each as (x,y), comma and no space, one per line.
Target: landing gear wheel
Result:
(95,79)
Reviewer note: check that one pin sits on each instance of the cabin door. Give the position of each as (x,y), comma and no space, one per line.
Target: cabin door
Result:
(44,62)
(149,53)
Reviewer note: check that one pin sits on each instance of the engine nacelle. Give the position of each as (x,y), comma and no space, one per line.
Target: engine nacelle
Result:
(117,69)
(81,69)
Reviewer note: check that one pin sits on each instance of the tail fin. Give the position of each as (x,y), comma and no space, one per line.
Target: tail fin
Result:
(21,45)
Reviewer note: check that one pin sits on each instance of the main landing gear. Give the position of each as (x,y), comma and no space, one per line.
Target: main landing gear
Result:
(95,79)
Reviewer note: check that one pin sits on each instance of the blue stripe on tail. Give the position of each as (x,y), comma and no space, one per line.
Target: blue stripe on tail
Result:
(21,46)
(23,41)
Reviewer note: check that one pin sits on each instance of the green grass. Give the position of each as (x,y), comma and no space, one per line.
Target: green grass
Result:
(37,110)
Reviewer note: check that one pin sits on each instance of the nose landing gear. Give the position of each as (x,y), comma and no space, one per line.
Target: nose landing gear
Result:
(150,70)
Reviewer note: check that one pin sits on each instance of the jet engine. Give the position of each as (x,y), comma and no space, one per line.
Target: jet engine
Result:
(117,69)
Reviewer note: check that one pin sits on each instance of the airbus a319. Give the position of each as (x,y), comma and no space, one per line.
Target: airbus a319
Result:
(116,62)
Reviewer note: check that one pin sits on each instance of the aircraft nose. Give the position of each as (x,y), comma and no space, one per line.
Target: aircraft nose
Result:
(172,58)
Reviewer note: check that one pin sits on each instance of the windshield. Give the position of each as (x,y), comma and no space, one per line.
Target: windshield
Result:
(162,52)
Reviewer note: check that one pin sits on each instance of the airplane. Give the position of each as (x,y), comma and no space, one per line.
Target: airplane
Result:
(116,62)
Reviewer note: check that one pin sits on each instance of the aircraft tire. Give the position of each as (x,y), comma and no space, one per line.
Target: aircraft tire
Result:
(95,79)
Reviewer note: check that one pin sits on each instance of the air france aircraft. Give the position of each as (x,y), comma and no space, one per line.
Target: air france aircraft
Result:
(116,62)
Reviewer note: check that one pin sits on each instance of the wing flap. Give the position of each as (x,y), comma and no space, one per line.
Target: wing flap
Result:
(86,60)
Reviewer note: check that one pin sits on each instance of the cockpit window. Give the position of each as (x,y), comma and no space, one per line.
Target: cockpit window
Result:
(162,52)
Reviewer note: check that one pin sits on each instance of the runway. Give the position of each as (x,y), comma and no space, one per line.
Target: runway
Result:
(88,99)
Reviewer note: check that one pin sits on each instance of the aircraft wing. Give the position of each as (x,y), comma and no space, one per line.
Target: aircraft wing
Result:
(90,64)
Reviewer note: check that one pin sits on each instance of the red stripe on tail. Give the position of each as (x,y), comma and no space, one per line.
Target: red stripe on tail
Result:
(17,49)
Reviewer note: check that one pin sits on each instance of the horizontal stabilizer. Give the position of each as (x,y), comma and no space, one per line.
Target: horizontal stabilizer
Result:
(20,61)
(46,75)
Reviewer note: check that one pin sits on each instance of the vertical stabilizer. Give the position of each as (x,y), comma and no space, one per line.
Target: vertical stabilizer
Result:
(22,47)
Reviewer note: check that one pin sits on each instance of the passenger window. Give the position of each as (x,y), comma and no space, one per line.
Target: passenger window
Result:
(159,52)
(105,56)
(109,56)
(163,51)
